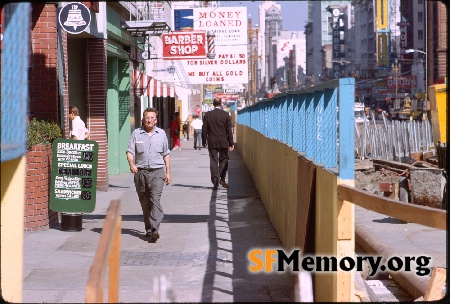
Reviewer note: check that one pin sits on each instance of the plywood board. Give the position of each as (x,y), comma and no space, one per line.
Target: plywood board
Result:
(270,174)
(326,212)
(326,235)
(346,221)
(436,285)
(278,183)
(291,200)
(305,193)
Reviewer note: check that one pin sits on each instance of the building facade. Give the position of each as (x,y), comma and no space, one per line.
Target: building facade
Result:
(267,31)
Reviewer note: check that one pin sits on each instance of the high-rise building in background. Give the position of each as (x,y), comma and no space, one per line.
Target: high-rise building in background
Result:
(290,59)
(328,56)
(270,22)
(393,48)
(281,53)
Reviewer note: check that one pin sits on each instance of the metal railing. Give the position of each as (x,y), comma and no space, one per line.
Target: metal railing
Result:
(392,140)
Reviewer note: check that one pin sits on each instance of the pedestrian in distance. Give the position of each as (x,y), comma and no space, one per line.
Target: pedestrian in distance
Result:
(218,136)
(198,111)
(78,130)
(186,127)
(175,131)
(196,125)
(149,160)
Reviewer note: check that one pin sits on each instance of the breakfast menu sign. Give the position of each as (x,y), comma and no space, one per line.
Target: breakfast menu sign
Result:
(74,175)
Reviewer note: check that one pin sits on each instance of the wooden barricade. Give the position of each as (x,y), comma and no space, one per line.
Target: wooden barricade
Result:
(418,214)
(435,289)
(107,254)
(313,210)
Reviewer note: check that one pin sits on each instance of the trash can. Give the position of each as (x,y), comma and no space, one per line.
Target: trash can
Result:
(71,221)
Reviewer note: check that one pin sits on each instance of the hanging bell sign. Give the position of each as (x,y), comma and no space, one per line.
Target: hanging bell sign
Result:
(74,18)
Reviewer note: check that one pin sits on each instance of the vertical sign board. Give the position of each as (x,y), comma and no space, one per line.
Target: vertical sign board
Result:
(74,175)
(338,27)
(226,43)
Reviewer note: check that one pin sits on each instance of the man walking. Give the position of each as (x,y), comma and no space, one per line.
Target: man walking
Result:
(147,155)
(197,124)
(217,135)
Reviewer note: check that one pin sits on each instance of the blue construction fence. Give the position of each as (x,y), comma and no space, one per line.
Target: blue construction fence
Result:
(317,122)
(15,58)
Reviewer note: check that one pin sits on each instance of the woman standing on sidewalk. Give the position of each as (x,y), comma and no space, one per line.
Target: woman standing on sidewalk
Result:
(175,131)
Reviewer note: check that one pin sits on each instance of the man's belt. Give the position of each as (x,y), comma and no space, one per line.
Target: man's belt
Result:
(149,169)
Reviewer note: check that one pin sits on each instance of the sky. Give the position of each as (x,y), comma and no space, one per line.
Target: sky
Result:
(294,13)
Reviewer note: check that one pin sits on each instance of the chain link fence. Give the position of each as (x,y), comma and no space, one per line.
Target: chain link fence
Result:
(317,122)
(14,79)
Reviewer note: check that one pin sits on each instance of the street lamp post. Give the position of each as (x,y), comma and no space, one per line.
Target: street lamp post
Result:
(396,68)
(408,51)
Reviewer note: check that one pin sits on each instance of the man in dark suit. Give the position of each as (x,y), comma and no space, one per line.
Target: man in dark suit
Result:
(217,135)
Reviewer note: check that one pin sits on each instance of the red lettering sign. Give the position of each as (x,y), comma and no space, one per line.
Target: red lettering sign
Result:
(405,82)
(184,45)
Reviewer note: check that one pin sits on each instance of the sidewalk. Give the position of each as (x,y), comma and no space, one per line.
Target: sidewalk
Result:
(205,238)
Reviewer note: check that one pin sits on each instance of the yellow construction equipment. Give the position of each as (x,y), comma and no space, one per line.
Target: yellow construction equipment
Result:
(437,95)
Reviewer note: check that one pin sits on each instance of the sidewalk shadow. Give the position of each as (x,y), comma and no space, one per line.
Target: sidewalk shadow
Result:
(191,186)
(242,215)
(125,187)
(389,220)
(132,232)
(168,218)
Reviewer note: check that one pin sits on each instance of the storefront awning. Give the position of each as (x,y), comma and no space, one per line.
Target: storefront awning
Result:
(145,85)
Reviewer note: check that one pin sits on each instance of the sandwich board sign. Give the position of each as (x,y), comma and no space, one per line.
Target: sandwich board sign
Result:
(74,175)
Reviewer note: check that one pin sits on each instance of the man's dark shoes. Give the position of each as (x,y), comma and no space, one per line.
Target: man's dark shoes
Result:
(224,184)
(216,186)
(155,234)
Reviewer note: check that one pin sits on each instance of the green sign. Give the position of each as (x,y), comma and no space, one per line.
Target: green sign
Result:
(74,175)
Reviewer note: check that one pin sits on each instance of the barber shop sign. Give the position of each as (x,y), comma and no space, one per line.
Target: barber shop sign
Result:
(74,18)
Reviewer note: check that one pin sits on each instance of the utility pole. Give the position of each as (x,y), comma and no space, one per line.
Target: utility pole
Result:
(252,70)
(429,45)
(396,68)
(250,61)
(270,61)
